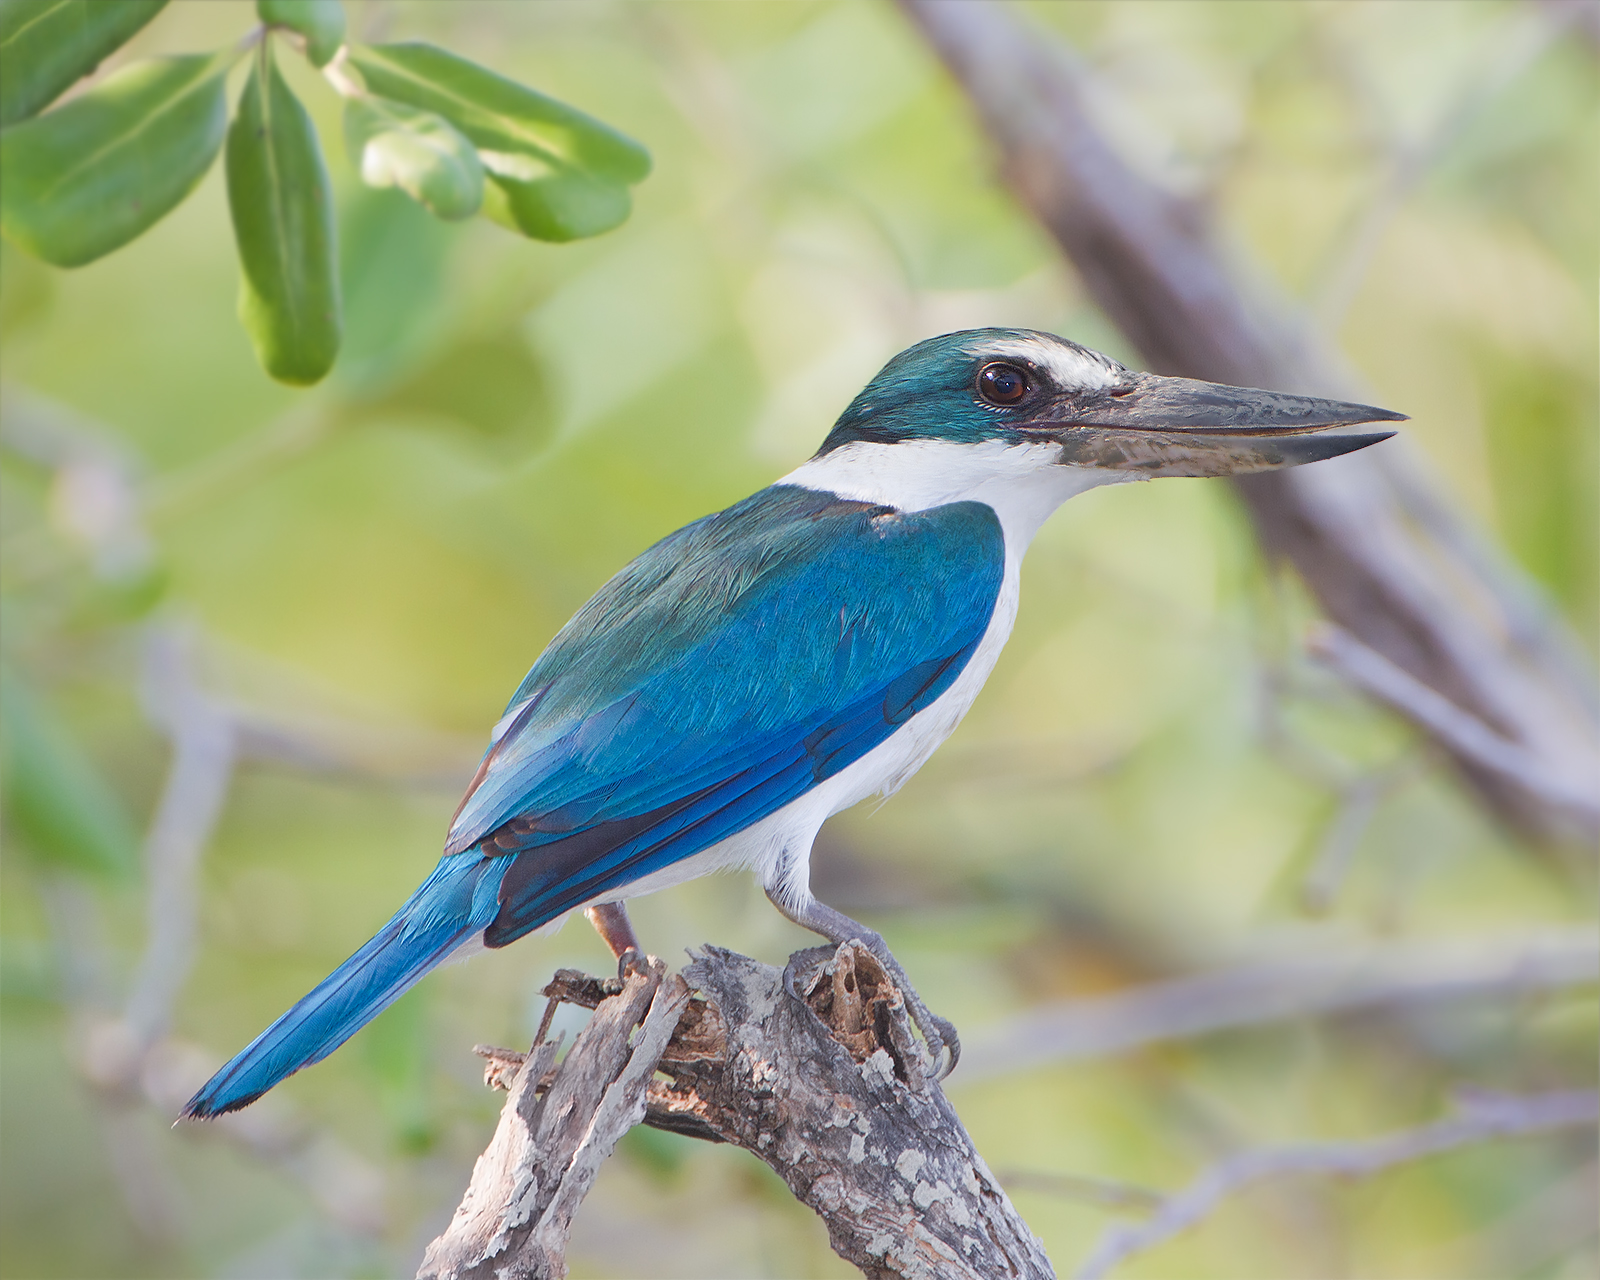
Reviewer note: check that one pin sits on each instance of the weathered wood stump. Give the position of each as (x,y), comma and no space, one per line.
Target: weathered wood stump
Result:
(827,1086)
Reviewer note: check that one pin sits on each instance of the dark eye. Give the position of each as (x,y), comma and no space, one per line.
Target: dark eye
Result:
(1002,384)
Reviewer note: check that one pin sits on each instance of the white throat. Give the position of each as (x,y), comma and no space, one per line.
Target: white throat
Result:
(1022,482)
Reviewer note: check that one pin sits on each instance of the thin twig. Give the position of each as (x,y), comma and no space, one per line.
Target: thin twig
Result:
(1478,1119)
(1534,624)
(351,750)
(1358,805)
(191,802)
(1299,981)
(1463,734)
(94,498)
(244,461)
(1123,1197)
(125,1074)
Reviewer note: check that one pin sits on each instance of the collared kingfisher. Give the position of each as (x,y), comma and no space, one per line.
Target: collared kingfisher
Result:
(767,666)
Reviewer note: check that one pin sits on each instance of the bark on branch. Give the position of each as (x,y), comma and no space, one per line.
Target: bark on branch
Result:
(825,1086)
(555,1131)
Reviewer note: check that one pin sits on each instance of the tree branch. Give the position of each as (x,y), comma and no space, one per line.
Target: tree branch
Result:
(1465,735)
(826,1088)
(552,1138)
(1479,1118)
(1336,850)
(204,750)
(1298,982)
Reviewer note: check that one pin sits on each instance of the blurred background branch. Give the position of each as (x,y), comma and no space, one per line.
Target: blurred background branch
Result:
(1154,264)
(204,748)
(1478,1118)
(1298,980)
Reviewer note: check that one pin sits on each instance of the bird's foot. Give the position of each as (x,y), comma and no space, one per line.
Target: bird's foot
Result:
(944,1045)
(632,961)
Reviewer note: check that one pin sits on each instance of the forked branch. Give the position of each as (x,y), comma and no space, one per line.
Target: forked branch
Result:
(825,1086)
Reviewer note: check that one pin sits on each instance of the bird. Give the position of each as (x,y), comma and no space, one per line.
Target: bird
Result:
(771,664)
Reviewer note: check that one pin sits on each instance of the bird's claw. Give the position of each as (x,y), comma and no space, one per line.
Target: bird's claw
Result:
(944,1045)
(630,962)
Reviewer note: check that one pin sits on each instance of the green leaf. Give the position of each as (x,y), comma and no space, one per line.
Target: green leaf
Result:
(91,175)
(497,113)
(321,22)
(417,151)
(556,173)
(55,797)
(551,203)
(48,45)
(282,208)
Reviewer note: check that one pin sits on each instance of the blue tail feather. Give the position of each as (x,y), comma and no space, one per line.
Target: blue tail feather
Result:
(455,902)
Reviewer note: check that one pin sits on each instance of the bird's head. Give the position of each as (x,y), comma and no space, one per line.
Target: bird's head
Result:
(1024,387)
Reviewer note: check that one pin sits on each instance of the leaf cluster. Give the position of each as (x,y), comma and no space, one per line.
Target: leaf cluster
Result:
(86,177)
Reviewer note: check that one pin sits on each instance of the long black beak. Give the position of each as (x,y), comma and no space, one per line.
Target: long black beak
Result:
(1179,427)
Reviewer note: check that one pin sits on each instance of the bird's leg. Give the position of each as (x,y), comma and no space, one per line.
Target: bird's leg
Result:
(839,928)
(610,921)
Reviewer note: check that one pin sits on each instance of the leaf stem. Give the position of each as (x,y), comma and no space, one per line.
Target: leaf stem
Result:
(247,42)
(338,74)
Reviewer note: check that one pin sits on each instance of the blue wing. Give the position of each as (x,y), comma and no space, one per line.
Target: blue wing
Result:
(721,675)
(724,673)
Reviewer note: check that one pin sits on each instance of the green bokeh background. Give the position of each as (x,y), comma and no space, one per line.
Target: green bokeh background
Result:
(510,422)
